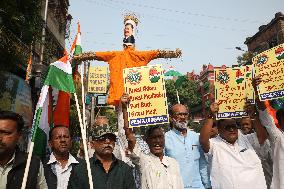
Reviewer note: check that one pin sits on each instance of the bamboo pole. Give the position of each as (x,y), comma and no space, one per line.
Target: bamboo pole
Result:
(83,131)
(26,173)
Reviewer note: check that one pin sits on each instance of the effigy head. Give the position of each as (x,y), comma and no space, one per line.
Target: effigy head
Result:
(130,26)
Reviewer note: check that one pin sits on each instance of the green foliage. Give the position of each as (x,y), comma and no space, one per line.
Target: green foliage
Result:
(22,18)
(188,94)
(245,59)
(195,126)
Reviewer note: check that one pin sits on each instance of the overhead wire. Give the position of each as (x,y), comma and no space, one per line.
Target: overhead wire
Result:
(168,19)
(184,12)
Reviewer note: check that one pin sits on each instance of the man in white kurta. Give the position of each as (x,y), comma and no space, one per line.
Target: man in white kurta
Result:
(235,166)
(156,173)
(234,163)
(276,137)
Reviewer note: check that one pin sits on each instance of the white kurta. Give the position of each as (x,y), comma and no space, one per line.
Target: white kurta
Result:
(158,174)
(276,137)
(235,166)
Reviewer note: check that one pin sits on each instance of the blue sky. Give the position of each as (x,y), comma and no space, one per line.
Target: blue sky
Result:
(205,30)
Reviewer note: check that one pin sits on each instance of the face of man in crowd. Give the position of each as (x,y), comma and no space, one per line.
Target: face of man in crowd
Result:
(60,141)
(179,116)
(246,126)
(104,145)
(228,130)
(214,131)
(128,30)
(156,142)
(9,135)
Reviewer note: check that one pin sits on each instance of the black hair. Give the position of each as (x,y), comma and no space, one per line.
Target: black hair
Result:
(220,121)
(52,129)
(15,117)
(130,25)
(279,114)
(150,130)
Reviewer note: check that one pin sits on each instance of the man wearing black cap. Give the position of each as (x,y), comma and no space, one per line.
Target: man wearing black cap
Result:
(108,172)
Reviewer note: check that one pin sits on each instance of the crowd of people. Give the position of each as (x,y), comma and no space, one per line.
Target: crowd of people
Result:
(222,156)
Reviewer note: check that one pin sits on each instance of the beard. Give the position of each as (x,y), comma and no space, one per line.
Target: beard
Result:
(179,124)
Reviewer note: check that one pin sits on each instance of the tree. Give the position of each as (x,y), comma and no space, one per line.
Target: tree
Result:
(188,93)
(245,59)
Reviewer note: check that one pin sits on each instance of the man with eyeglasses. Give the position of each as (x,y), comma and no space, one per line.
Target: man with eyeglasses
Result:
(234,162)
(60,166)
(183,145)
(108,172)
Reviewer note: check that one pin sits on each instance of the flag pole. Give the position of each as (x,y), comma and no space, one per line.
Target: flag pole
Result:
(83,132)
(26,173)
(83,98)
(177,96)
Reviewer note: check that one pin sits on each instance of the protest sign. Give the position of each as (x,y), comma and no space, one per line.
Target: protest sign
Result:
(230,92)
(248,70)
(148,102)
(269,66)
(97,80)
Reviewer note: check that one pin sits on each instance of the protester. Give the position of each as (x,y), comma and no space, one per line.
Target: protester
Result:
(276,138)
(183,145)
(246,126)
(108,172)
(234,163)
(262,148)
(158,171)
(12,160)
(60,166)
(214,130)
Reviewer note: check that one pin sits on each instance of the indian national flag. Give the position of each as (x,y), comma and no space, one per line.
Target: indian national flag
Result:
(76,46)
(54,103)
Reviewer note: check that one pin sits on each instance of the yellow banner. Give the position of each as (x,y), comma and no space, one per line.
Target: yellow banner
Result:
(148,101)
(269,66)
(230,92)
(248,70)
(97,79)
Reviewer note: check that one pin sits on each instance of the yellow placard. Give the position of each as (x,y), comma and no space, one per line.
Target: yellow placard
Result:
(248,70)
(148,101)
(269,66)
(97,79)
(230,92)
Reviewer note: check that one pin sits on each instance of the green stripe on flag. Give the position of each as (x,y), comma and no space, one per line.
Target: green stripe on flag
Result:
(60,80)
(39,136)
(36,123)
(40,143)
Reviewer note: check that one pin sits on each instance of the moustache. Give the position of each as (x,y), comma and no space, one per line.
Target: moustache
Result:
(109,146)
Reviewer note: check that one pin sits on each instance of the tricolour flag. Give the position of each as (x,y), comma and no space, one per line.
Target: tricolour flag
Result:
(54,103)
(76,46)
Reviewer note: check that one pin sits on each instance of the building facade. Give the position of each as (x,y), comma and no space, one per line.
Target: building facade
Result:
(268,36)
(206,83)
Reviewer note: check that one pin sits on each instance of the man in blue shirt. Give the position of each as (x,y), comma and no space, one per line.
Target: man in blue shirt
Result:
(183,145)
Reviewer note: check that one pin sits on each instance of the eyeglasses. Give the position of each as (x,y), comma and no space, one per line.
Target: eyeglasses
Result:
(105,137)
(230,127)
(185,114)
